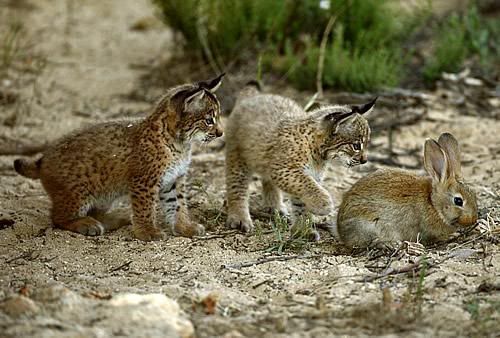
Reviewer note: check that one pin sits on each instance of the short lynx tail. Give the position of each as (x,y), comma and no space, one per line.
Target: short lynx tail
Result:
(28,168)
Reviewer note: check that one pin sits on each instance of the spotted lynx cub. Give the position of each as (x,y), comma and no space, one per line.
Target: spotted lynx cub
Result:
(272,136)
(83,173)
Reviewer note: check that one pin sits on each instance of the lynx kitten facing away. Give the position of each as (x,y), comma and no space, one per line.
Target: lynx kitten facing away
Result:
(274,137)
(85,172)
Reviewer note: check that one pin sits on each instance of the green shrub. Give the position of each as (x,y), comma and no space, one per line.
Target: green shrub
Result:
(365,50)
(363,55)
(459,38)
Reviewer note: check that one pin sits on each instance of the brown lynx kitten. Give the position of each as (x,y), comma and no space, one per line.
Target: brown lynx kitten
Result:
(85,172)
(274,137)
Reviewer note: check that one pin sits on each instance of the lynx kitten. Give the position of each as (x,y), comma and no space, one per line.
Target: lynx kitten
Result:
(272,136)
(85,172)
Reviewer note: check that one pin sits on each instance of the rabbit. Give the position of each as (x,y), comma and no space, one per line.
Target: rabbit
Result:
(393,206)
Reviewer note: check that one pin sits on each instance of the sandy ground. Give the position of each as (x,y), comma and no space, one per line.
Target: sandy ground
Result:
(92,60)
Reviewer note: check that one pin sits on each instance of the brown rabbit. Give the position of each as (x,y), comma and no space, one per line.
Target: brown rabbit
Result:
(395,205)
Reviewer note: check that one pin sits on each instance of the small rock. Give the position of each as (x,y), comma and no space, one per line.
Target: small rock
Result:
(18,305)
(233,334)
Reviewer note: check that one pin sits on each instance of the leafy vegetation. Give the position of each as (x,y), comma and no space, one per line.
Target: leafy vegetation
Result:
(461,37)
(284,240)
(365,49)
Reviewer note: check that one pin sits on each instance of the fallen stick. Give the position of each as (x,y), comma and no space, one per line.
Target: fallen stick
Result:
(266,260)
(395,271)
(124,265)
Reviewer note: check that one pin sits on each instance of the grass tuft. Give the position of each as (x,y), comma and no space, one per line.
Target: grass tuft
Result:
(283,240)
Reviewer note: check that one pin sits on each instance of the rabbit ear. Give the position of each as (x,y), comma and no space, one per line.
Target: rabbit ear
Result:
(435,161)
(450,146)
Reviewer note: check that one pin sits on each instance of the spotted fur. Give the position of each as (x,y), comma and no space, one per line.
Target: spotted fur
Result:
(83,173)
(272,136)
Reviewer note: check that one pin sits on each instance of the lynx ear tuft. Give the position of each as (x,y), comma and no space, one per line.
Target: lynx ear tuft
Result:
(365,108)
(212,85)
(194,102)
(336,116)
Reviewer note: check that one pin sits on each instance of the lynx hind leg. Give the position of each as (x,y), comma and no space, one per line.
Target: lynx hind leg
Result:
(237,180)
(273,198)
(72,216)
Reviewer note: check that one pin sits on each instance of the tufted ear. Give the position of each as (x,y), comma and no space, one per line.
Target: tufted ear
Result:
(212,85)
(365,108)
(337,120)
(337,117)
(194,102)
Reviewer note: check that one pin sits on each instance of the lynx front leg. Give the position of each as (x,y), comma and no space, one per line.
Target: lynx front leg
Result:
(237,180)
(183,226)
(144,197)
(303,187)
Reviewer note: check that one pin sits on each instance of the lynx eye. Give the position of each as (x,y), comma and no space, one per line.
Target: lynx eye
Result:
(458,201)
(209,121)
(356,146)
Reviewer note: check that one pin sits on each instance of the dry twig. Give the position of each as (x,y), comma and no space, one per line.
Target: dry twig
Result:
(266,260)
(321,60)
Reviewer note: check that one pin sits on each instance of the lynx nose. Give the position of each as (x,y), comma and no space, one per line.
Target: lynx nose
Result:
(363,159)
(219,132)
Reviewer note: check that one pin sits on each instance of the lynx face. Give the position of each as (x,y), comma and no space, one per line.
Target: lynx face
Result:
(347,134)
(201,120)
(351,140)
(197,111)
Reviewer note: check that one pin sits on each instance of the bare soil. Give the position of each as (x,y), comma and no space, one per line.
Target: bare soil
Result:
(82,64)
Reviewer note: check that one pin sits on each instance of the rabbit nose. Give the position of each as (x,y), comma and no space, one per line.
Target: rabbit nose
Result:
(466,220)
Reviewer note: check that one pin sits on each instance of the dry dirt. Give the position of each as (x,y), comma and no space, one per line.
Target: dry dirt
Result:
(79,64)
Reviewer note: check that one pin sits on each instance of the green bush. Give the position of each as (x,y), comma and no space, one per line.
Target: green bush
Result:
(365,51)
(461,37)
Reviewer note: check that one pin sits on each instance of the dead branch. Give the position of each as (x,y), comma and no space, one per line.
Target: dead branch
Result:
(124,266)
(221,235)
(321,60)
(28,255)
(414,267)
(266,260)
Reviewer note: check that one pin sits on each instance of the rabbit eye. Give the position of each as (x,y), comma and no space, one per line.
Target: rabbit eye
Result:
(458,201)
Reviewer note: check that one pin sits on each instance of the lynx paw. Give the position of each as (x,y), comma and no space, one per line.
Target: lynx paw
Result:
(321,207)
(148,234)
(188,230)
(89,227)
(234,222)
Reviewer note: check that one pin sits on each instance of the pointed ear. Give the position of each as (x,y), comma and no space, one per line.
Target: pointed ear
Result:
(365,108)
(435,161)
(212,85)
(194,102)
(338,119)
(450,146)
